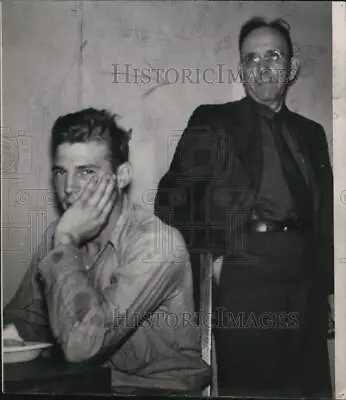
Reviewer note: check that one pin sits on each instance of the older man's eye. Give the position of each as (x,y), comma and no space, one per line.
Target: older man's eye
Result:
(275,55)
(256,58)
(249,59)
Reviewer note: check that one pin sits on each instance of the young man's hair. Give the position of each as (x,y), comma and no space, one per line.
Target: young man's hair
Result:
(92,125)
(279,24)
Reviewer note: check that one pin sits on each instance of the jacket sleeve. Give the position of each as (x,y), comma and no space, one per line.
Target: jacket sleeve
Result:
(325,231)
(181,190)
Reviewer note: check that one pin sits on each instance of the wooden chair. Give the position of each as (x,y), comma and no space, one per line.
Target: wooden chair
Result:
(207,340)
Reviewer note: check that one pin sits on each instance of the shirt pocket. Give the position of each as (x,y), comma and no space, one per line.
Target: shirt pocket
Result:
(104,274)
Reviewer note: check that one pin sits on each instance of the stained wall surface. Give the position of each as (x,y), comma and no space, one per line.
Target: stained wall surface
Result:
(62,56)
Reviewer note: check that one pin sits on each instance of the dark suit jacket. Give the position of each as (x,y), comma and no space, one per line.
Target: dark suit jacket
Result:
(212,183)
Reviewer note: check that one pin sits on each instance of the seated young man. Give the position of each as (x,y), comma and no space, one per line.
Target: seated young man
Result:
(111,282)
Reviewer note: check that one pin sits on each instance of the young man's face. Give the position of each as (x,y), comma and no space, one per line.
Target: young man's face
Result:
(74,165)
(265,61)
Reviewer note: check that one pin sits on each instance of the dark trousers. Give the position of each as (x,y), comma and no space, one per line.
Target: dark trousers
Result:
(271,320)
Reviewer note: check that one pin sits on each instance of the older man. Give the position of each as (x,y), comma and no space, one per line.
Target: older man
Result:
(251,181)
(114,284)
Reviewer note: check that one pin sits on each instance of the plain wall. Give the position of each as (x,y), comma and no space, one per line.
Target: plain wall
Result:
(59,57)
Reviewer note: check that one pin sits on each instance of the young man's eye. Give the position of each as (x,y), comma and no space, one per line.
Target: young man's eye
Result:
(87,172)
(58,173)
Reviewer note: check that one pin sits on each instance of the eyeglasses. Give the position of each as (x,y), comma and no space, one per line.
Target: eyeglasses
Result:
(271,56)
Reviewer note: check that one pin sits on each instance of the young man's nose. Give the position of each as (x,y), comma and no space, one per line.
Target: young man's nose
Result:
(71,184)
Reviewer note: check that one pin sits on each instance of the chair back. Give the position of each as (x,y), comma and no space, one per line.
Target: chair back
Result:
(205,319)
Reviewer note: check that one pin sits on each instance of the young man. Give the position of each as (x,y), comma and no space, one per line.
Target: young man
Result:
(258,190)
(115,284)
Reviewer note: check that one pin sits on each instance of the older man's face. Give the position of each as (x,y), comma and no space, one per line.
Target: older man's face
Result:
(265,61)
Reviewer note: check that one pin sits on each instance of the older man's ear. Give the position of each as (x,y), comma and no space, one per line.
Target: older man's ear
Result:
(124,175)
(294,69)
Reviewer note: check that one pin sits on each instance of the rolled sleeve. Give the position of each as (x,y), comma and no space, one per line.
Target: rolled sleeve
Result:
(27,310)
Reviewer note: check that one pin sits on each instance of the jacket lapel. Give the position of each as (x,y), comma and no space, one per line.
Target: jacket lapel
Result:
(243,125)
(301,134)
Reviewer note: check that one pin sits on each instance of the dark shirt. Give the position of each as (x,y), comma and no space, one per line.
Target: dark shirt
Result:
(274,200)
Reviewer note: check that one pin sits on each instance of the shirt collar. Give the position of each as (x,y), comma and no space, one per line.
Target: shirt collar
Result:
(125,216)
(266,111)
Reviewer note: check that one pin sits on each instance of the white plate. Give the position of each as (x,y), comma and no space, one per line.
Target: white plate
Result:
(28,352)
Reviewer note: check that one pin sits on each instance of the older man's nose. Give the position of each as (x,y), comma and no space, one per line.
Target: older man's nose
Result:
(264,74)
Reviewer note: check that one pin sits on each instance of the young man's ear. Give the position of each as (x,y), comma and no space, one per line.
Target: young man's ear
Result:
(294,69)
(124,175)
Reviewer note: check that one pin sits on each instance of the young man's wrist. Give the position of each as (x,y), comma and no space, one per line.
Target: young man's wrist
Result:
(65,239)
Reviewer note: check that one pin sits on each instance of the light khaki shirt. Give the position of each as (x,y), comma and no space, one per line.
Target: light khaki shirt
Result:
(132,310)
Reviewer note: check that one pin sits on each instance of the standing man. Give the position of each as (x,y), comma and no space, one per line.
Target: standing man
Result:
(114,284)
(251,181)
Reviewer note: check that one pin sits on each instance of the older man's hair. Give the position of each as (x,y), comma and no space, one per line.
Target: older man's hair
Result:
(279,25)
(92,125)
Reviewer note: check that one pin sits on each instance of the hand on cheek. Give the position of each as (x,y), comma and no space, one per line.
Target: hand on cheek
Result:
(85,218)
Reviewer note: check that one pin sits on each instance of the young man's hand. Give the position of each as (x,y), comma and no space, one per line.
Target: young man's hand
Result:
(86,217)
(10,336)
